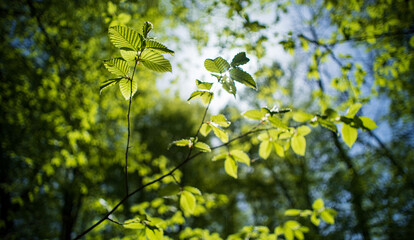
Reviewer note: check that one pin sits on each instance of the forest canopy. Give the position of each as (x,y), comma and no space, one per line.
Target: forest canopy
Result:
(207,119)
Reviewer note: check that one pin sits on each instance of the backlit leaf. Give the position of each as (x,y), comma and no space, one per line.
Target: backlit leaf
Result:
(279,149)
(302,117)
(349,135)
(303,130)
(243,77)
(299,145)
(205,129)
(230,166)
(146,28)
(318,204)
(202,147)
(221,120)
(125,38)
(228,85)
(368,123)
(240,156)
(327,217)
(155,61)
(169,190)
(157,47)
(315,220)
(218,65)
(192,190)
(292,212)
(117,66)
(129,55)
(353,110)
(239,59)
(203,85)
(265,149)
(220,156)
(125,87)
(187,202)
(220,134)
(254,114)
(328,124)
(276,122)
(108,83)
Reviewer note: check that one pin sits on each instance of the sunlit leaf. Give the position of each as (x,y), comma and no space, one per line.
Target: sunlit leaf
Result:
(353,110)
(315,220)
(240,156)
(254,114)
(108,83)
(218,65)
(221,120)
(146,28)
(205,129)
(202,147)
(117,66)
(276,122)
(302,117)
(239,59)
(192,190)
(279,230)
(279,149)
(349,135)
(220,156)
(181,143)
(299,235)
(157,47)
(220,134)
(155,61)
(228,85)
(125,87)
(153,233)
(288,233)
(303,130)
(327,217)
(125,38)
(368,123)
(205,96)
(328,124)
(265,149)
(203,85)
(243,77)
(230,166)
(129,55)
(292,212)
(292,224)
(299,145)
(133,224)
(318,204)
(187,202)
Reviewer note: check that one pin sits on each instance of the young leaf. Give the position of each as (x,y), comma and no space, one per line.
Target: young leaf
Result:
(239,59)
(220,156)
(315,220)
(153,233)
(353,109)
(117,66)
(229,85)
(221,120)
(155,61)
(368,123)
(202,147)
(328,124)
(275,121)
(192,190)
(203,85)
(349,135)
(303,130)
(299,144)
(327,217)
(108,83)
(205,96)
(220,134)
(292,212)
(230,166)
(218,65)
(125,38)
(254,114)
(302,117)
(157,47)
(279,150)
(299,234)
(243,77)
(240,156)
(129,55)
(265,149)
(181,143)
(187,202)
(318,204)
(133,224)
(125,87)
(205,129)
(146,28)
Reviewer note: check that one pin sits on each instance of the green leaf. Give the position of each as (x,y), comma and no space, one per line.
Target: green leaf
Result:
(230,166)
(205,129)
(239,59)
(315,220)
(220,134)
(133,224)
(221,120)
(299,235)
(303,130)
(243,77)
(187,202)
(318,204)
(302,117)
(228,85)
(129,55)
(146,28)
(220,156)
(218,65)
(108,83)
(155,61)
(181,143)
(349,135)
(275,121)
(125,38)
(240,156)
(169,190)
(254,114)
(205,96)
(288,233)
(125,87)
(279,149)
(192,190)
(157,47)
(328,124)
(299,144)
(327,217)
(353,109)
(203,85)
(279,230)
(202,147)
(265,149)
(153,233)
(292,212)
(117,66)
(368,123)
(291,225)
